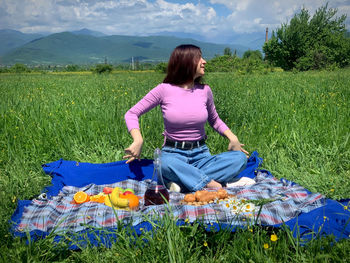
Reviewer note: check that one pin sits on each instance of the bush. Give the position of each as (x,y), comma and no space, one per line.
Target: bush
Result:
(19,68)
(161,67)
(72,68)
(253,54)
(103,68)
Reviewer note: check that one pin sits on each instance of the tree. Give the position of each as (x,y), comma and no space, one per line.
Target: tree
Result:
(19,68)
(310,43)
(253,54)
(72,68)
(103,68)
(227,51)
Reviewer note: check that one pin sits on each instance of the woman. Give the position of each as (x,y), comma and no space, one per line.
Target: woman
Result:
(187,105)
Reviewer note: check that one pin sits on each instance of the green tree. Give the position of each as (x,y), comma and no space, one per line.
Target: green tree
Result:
(161,67)
(253,54)
(72,68)
(103,68)
(19,68)
(310,43)
(227,51)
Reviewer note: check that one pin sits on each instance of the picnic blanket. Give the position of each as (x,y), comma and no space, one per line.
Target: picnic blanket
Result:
(286,203)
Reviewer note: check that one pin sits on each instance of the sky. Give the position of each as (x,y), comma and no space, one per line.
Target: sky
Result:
(212,20)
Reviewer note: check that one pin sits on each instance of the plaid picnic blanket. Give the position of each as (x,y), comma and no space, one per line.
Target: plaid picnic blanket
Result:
(285,201)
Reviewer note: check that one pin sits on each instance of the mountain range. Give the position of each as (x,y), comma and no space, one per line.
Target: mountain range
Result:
(91,47)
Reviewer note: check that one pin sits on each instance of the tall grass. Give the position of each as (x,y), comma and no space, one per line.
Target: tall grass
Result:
(299,124)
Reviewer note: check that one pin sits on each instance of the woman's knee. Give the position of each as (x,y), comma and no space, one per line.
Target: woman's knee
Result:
(243,158)
(238,159)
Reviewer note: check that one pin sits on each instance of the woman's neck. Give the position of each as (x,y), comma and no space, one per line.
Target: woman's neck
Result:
(188,85)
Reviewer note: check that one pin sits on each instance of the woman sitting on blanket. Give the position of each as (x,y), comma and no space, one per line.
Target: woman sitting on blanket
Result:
(187,105)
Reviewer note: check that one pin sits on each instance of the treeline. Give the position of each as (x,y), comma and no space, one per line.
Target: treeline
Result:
(98,68)
(305,43)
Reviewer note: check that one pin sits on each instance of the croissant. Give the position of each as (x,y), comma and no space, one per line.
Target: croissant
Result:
(190,198)
(205,196)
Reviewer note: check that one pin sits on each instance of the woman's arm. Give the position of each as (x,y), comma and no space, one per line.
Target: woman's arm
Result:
(134,150)
(234,144)
(147,103)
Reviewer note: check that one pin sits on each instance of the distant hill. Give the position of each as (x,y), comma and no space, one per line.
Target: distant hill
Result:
(10,39)
(88,32)
(72,48)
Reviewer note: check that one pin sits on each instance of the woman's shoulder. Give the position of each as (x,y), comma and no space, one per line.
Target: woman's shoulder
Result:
(161,86)
(202,86)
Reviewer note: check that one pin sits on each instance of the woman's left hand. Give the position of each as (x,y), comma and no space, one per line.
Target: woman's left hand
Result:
(234,144)
(237,146)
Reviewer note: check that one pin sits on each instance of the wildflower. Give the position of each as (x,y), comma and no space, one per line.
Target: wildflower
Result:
(345,207)
(249,207)
(332,190)
(187,220)
(235,209)
(266,246)
(227,205)
(205,244)
(273,238)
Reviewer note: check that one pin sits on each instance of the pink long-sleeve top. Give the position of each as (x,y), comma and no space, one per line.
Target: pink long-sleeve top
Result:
(185,111)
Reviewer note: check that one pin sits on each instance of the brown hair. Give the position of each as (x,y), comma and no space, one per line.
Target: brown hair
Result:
(182,65)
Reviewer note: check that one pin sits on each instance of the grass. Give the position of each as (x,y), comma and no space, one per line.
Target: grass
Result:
(299,124)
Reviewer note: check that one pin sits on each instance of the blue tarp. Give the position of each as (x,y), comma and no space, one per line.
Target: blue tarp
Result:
(333,218)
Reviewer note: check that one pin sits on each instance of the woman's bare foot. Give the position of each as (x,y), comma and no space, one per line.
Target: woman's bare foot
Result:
(213,184)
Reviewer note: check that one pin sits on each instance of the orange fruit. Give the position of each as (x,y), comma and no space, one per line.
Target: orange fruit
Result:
(99,198)
(81,197)
(133,200)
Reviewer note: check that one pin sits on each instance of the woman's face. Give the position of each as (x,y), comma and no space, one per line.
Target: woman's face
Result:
(200,68)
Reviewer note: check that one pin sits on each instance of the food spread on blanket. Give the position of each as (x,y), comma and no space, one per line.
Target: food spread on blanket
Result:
(114,197)
(203,197)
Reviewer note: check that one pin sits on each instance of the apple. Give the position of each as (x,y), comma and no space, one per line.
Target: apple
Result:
(129,190)
(107,190)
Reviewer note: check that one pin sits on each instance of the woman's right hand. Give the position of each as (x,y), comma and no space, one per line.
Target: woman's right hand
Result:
(133,151)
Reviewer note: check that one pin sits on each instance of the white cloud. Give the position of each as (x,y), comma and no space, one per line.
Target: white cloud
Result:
(255,15)
(143,17)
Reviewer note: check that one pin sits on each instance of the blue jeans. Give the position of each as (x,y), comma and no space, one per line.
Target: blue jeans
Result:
(193,169)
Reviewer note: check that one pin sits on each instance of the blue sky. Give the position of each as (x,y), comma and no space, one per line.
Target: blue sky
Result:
(213,20)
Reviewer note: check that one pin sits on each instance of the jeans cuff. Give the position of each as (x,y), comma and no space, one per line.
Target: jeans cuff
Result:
(205,180)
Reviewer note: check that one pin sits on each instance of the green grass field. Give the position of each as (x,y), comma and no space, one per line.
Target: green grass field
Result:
(299,124)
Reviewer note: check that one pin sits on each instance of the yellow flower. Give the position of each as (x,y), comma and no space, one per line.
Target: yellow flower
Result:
(273,238)
(205,244)
(227,205)
(332,190)
(345,207)
(187,220)
(266,246)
